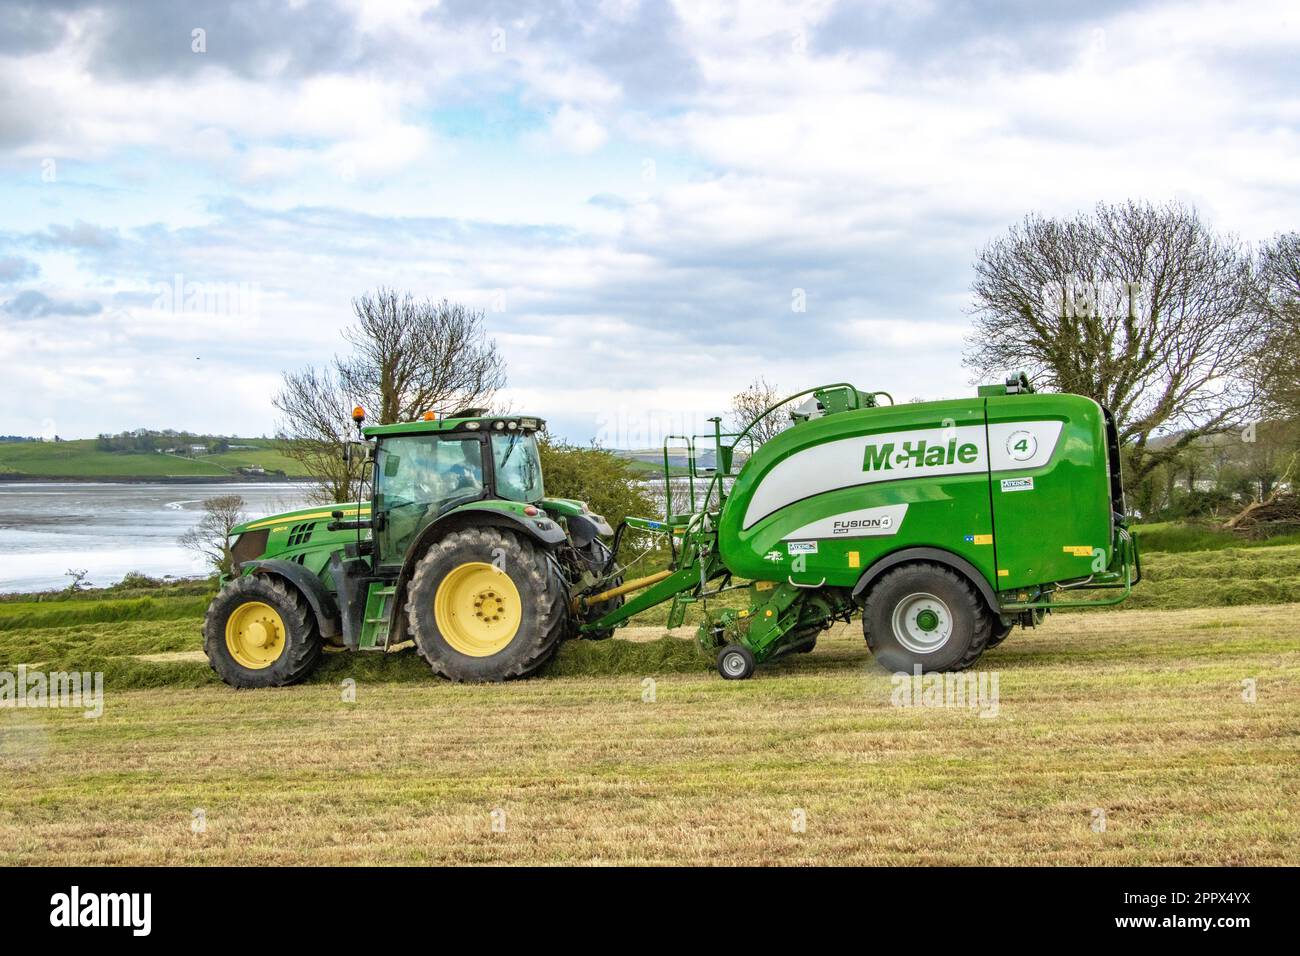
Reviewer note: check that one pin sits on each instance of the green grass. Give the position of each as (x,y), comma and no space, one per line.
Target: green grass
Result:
(81,459)
(1139,714)
(1182,536)
(634,751)
(17,616)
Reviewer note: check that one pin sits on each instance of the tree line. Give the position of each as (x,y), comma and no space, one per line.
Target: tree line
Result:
(149,441)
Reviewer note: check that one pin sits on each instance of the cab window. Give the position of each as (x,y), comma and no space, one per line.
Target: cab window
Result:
(417,478)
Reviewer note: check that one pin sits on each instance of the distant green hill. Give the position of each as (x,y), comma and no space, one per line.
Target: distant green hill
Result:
(81,459)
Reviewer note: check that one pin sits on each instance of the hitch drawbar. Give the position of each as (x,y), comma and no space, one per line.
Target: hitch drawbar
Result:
(581,603)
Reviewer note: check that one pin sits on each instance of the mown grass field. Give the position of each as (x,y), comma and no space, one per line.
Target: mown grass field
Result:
(1140,715)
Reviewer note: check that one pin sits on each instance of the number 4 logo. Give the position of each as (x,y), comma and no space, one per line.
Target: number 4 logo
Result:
(1021,445)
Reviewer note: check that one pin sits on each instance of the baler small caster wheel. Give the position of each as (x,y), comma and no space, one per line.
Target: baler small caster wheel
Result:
(736,662)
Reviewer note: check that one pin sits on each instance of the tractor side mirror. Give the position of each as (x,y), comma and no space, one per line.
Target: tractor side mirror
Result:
(356,453)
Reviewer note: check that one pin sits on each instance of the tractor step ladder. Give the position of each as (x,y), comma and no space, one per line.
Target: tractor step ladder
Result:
(376,626)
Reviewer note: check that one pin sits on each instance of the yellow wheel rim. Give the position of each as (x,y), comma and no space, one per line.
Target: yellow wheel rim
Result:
(255,635)
(478,609)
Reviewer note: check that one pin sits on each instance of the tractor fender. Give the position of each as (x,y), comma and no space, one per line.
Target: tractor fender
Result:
(936,556)
(584,529)
(309,585)
(469,516)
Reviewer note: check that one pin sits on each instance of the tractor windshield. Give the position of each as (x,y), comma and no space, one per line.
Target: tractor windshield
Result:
(517,466)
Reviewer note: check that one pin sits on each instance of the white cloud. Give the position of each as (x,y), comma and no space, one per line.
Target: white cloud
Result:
(575,131)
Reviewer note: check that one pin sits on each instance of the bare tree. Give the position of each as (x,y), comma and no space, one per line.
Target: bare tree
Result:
(412,357)
(317,418)
(210,538)
(747,405)
(408,357)
(1140,307)
(1275,365)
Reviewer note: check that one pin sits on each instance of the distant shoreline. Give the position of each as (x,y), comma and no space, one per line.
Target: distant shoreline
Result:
(14,478)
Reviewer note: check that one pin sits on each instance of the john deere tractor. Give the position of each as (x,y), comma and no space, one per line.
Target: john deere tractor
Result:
(458,549)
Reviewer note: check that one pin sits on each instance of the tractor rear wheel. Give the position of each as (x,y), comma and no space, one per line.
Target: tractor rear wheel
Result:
(926,615)
(260,632)
(486,605)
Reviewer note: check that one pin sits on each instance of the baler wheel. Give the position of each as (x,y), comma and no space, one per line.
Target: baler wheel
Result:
(928,615)
(735,662)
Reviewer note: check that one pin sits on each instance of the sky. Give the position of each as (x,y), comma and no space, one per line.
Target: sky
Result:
(652,203)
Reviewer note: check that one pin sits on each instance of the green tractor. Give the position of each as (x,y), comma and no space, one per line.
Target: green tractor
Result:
(458,549)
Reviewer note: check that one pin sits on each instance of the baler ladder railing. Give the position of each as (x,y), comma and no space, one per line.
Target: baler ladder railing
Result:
(723,461)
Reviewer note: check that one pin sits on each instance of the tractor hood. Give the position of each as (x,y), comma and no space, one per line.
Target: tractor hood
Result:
(318,513)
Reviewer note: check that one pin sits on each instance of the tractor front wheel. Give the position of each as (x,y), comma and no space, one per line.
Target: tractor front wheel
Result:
(486,605)
(260,632)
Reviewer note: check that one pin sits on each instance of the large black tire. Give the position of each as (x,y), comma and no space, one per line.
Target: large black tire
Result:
(533,631)
(999,632)
(295,634)
(894,620)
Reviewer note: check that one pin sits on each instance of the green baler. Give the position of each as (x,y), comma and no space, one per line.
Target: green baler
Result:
(945,523)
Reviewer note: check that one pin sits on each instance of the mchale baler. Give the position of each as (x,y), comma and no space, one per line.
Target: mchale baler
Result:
(944,523)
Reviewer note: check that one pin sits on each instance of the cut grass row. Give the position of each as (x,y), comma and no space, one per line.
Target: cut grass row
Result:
(83,633)
(1175,537)
(95,627)
(1138,715)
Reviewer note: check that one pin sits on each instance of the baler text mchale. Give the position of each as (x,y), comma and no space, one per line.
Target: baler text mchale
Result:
(943,523)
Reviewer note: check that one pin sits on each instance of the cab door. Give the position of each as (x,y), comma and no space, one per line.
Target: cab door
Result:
(417,479)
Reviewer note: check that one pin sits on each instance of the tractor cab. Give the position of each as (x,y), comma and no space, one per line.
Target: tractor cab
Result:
(425,470)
